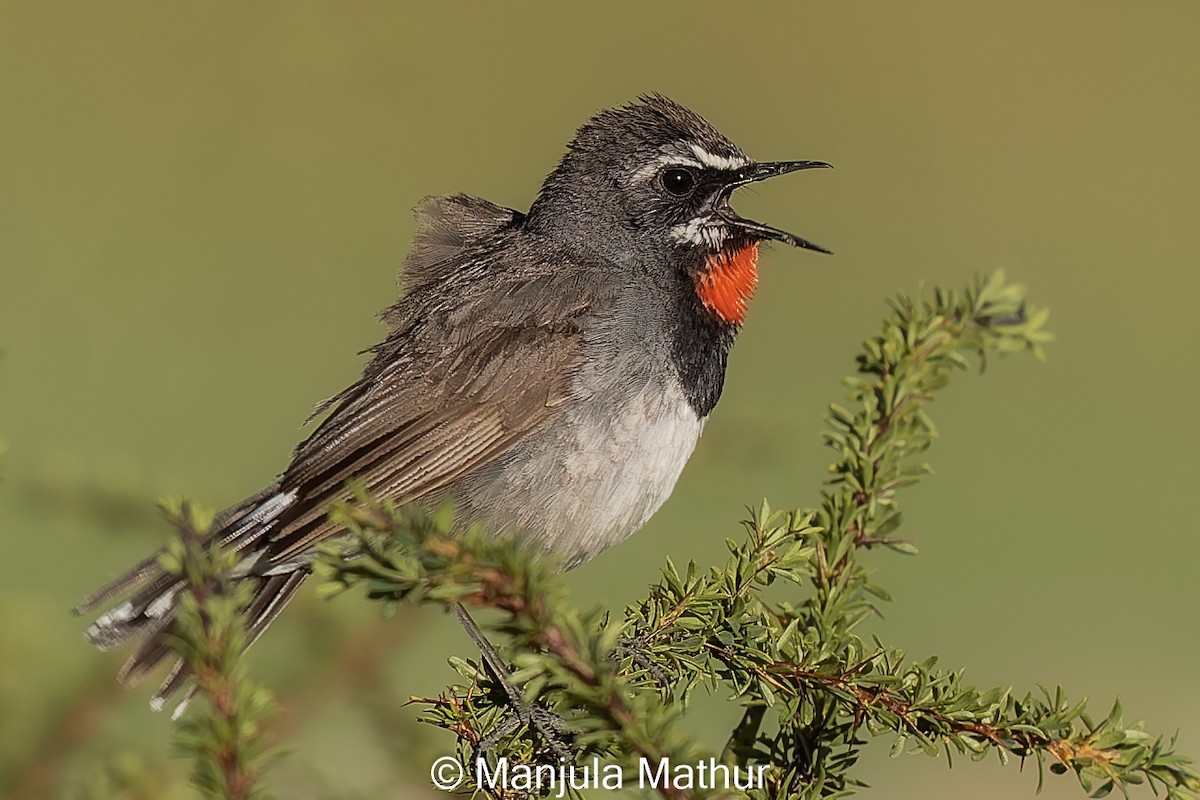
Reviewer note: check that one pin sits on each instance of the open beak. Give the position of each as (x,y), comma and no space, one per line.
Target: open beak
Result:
(760,172)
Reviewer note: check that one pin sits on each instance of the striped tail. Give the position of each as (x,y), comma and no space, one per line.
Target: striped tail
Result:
(148,613)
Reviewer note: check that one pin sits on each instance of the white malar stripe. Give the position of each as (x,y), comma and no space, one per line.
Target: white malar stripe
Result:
(700,231)
(717,162)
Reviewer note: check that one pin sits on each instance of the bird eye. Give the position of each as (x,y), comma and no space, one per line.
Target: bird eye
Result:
(678,181)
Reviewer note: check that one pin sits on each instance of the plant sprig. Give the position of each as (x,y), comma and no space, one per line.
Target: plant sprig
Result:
(224,733)
(813,690)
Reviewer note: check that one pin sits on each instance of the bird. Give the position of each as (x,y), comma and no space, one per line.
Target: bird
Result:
(548,373)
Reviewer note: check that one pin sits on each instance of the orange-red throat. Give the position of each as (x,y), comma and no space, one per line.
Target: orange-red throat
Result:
(728,281)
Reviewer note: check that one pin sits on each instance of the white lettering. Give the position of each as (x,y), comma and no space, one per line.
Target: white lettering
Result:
(556,780)
(492,780)
(656,781)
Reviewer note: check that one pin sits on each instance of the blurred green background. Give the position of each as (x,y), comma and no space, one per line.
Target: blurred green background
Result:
(202,206)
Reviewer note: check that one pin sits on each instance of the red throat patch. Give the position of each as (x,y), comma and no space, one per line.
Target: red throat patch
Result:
(728,281)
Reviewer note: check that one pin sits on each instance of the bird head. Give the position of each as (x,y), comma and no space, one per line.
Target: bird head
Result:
(653,181)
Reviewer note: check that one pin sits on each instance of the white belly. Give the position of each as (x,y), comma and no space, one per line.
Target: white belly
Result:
(592,477)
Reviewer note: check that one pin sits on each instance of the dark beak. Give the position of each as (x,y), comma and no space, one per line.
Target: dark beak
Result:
(760,172)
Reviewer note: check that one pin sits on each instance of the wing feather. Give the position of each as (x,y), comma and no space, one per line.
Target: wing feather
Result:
(419,437)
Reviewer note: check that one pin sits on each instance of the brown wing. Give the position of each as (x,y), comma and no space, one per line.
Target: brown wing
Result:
(480,351)
(410,428)
(446,228)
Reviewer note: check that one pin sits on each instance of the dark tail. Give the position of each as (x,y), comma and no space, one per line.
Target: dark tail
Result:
(148,612)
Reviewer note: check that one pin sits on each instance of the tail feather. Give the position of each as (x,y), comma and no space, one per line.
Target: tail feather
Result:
(150,653)
(134,616)
(136,576)
(226,523)
(174,681)
(270,596)
(152,595)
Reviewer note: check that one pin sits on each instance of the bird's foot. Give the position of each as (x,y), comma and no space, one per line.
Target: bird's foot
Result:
(634,648)
(550,727)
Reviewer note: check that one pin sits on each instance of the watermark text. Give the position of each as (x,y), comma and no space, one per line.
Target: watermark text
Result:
(555,780)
